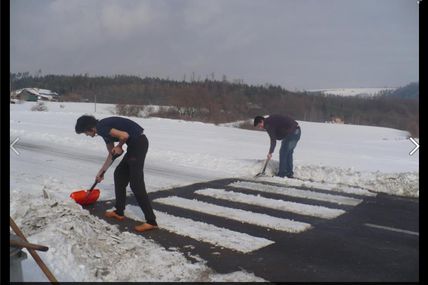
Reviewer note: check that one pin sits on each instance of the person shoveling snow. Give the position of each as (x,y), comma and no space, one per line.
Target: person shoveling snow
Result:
(130,169)
(285,129)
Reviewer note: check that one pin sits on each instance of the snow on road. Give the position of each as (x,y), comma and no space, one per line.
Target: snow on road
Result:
(293,192)
(292,207)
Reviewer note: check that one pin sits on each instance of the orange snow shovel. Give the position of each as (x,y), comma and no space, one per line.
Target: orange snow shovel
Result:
(87,197)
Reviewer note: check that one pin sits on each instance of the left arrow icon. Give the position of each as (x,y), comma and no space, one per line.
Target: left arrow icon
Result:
(416,146)
(12,146)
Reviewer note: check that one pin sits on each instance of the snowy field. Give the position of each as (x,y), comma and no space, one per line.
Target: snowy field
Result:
(353,91)
(54,161)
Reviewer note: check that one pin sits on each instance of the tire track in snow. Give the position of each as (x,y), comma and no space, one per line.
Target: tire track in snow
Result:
(150,168)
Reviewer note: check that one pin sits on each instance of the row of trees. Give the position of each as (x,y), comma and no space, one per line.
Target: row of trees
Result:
(222,101)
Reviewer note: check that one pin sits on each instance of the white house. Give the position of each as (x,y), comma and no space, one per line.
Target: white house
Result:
(35,94)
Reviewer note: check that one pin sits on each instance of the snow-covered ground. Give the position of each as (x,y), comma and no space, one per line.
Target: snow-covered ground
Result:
(353,91)
(53,161)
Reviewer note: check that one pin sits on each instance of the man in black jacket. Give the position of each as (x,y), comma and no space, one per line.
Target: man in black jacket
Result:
(130,169)
(288,131)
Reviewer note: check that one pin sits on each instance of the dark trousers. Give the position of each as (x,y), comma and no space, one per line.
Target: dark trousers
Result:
(286,154)
(131,170)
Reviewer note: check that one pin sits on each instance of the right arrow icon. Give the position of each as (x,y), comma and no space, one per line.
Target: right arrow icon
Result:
(416,146)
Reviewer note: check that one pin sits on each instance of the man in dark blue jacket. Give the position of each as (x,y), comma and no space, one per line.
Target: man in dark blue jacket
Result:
(130,169)
(288,131)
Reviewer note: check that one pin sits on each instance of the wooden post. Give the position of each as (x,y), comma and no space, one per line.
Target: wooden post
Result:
(18,243)
(33,253)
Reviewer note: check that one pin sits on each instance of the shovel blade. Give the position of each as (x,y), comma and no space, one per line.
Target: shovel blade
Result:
(85,197)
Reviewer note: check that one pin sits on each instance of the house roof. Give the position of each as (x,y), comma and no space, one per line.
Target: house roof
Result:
(37,91)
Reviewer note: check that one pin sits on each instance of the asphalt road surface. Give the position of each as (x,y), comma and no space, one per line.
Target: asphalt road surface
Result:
(374,241)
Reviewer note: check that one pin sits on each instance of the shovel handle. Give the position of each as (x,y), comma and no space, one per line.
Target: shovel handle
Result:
(92,188)
(265,165)
(17,243)
(264,168)
(104,171)
(96,182)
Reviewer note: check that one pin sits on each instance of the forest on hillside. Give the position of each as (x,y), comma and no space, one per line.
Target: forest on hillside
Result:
(222,101)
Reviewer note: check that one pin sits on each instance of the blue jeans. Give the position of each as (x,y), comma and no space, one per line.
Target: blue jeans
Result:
(286,153)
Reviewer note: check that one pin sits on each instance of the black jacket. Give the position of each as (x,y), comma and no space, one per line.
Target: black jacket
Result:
(278,127)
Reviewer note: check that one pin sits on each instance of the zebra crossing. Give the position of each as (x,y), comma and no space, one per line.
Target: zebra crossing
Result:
(242,215)
(249,209)
(297,231)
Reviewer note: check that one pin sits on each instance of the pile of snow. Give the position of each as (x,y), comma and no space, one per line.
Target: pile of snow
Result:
(334,178)
(84,248)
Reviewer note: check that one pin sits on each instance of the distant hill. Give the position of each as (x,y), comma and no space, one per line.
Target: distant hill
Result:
(360,92)
(223,101)
(410,91)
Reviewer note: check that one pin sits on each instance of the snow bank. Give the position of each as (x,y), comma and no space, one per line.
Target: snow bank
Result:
(84,248)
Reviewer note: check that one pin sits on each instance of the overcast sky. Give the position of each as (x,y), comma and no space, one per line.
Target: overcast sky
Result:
(298,44)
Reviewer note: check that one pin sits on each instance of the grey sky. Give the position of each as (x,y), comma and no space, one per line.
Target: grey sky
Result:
(298,44)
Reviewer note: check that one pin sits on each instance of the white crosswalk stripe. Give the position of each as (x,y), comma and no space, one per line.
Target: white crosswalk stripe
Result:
(208,233)
(323,186)
(293,192)
(298,208)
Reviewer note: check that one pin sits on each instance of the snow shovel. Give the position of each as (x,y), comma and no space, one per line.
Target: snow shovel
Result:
(87,197)
(264,168)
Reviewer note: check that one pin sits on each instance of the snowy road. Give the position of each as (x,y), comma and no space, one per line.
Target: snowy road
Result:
(43,159)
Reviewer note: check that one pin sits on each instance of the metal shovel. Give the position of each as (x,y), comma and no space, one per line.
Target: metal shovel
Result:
(262,172)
